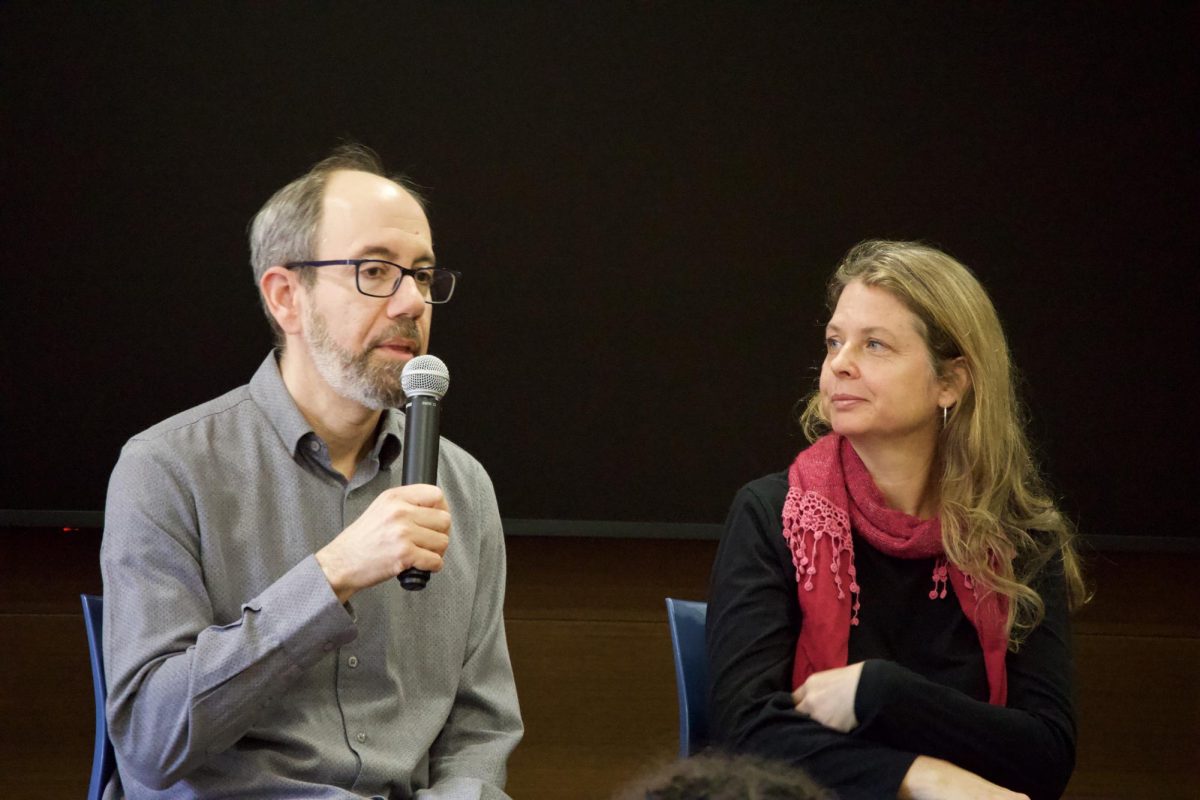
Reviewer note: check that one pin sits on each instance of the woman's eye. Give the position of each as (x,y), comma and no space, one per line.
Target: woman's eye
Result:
(875,344)
(831,343)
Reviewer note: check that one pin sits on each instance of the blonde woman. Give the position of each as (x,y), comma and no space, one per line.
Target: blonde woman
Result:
(890,613)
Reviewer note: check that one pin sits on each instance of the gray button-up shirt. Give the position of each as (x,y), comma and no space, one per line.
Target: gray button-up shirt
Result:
(232,669)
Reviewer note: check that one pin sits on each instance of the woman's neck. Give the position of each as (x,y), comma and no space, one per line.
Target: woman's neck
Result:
(903,475)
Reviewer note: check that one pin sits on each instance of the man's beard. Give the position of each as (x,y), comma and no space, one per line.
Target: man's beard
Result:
(356,377)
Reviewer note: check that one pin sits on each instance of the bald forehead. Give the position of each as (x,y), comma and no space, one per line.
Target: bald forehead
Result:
(365,214)
(362,199)
(352,186)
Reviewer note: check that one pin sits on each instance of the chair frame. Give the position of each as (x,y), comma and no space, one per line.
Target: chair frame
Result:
(686,620)
(104,760)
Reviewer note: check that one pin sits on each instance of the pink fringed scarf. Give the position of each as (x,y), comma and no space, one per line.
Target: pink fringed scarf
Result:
(830,492)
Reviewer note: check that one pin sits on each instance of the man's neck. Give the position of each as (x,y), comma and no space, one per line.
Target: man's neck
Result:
(902,473)
(344,425)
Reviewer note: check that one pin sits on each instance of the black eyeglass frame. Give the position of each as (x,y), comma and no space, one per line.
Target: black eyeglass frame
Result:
(404,273)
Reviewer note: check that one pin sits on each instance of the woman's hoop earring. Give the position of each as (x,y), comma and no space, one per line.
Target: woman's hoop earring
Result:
(945,414)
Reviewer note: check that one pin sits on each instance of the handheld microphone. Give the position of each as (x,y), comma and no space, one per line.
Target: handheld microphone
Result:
(424,380)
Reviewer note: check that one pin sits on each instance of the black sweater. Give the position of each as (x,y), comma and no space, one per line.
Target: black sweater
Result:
(923,689)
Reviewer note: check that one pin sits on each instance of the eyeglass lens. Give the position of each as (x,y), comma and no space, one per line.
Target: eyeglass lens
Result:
(382,279)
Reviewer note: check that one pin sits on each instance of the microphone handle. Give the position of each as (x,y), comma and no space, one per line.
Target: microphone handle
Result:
(422,418)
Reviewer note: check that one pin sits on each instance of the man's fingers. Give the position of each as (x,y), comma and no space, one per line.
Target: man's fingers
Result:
(435,542)
(417,518)
(416,506)
(423,559)
(422,549)
(418,494)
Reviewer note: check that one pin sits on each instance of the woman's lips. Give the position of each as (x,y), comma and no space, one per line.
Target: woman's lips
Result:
(845,401)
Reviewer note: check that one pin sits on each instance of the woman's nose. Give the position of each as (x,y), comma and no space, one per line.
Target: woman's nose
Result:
(841,361)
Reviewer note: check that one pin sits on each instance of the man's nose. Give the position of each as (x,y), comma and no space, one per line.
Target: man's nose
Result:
(408,301)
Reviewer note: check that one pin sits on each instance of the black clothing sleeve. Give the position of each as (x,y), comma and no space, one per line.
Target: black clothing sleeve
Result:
(1027,745)
(908,702)
(753,621)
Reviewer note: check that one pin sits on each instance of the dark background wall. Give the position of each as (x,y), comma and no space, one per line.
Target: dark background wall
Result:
(646,199)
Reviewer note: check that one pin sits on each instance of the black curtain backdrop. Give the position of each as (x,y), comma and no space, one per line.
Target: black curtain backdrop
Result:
(646,200)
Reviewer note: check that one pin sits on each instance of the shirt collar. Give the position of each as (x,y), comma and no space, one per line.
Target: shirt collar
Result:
(391,434)
(271,395)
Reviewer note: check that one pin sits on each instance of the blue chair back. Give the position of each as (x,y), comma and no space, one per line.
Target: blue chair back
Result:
(686,620)
(104,761)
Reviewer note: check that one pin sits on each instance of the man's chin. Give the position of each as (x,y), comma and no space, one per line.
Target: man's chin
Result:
(378,401)
(386,391)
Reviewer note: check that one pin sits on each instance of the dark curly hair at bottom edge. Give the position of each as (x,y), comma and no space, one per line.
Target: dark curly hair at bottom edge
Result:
(719,776)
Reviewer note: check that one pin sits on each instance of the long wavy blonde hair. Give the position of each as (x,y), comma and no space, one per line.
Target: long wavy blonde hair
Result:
(999,523)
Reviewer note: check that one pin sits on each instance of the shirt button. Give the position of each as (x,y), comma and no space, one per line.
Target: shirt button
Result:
(314,446)
(352,661)
(361,737)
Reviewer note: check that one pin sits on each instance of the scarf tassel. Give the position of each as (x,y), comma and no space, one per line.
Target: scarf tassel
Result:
(828,485)
(832,522)
(805,538)
(941,576)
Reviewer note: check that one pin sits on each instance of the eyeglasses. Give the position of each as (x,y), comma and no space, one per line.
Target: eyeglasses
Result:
(376,278)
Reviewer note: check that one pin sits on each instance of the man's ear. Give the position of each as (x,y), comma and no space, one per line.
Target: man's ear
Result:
(280,289)
(955,382)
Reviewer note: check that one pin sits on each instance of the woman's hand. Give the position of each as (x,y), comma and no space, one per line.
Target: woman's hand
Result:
(828,697)
(934,779)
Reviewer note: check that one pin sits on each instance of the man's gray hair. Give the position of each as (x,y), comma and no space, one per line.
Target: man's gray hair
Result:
(285,228)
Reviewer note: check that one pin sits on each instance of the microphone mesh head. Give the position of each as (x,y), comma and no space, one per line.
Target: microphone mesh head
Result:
(425,375)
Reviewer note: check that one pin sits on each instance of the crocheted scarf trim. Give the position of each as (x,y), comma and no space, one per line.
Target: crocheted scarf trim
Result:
(830,493)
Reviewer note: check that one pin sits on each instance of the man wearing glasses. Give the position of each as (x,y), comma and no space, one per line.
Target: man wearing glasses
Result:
(256,642)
